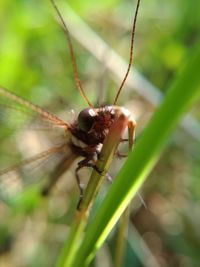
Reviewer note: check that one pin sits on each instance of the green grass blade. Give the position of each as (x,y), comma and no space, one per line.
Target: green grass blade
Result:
(70,247)
(181,94)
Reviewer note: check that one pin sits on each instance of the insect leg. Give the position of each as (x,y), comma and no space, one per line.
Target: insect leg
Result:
(124,140)
(80,187)
(84,163)
(131,132)
(131,129)
(119,155)
(131,135)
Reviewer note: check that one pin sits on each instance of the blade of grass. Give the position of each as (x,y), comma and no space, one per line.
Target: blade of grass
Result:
(69,249)
(179,97)
(120,244)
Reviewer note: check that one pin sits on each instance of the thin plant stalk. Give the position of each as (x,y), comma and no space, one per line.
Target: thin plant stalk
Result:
(124,221)
(97,177)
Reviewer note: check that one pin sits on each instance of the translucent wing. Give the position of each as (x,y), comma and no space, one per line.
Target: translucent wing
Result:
(6,95)
(33,142)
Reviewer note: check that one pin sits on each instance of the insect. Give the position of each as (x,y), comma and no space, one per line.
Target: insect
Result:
(84,137)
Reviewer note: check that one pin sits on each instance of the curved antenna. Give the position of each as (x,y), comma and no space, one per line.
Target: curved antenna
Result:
(131,53)
(71,52)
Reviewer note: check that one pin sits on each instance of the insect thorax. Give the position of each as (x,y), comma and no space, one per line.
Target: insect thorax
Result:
(92,125)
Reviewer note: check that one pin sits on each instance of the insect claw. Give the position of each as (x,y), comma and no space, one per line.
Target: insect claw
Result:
(97,170)
(120,155)
(124,140)
(109,177)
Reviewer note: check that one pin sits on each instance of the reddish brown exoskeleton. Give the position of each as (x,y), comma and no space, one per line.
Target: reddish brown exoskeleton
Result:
(86,136)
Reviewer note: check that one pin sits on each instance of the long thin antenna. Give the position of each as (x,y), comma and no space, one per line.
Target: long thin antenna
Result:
(71,51)
(131,53)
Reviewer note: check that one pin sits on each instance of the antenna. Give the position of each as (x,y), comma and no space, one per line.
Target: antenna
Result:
(131,53)
(71,52)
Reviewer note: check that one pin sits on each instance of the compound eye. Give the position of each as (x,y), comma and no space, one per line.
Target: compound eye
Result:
(86,119)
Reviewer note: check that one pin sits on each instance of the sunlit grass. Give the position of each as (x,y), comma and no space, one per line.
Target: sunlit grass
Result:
(181,94)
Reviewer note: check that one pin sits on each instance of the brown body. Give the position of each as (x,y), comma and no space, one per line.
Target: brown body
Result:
(93,125)
(87,135)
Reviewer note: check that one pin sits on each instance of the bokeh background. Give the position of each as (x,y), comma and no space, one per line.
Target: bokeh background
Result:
(35,64)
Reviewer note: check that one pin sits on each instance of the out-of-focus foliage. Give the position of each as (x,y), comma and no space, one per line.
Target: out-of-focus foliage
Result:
(34,63)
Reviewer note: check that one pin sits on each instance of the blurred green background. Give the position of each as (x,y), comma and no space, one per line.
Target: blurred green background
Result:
(35,64)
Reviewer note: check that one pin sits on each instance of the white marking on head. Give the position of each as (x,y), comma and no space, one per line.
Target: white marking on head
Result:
(92,113)
(125,111)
